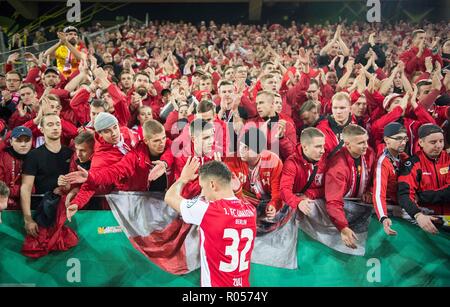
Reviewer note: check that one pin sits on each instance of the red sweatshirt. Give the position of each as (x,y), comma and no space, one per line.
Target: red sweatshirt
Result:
(221,137)
(192,188)
(80,106)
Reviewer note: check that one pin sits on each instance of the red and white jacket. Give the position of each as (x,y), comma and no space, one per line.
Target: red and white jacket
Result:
(385,181)
(263,182)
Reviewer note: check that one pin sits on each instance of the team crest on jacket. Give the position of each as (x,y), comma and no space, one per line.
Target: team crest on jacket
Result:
(318,179)
(444,170)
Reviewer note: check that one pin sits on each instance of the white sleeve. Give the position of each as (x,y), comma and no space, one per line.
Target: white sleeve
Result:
(193,210)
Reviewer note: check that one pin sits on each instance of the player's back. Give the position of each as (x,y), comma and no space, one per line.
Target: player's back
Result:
(227,234)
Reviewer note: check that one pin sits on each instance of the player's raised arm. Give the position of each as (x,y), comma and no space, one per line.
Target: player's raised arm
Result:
(173,195)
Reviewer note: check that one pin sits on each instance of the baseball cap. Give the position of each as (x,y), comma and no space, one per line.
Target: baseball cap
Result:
(20,131)
(52,69)
(70,29)
(393,129)
(389,99)
(427,129)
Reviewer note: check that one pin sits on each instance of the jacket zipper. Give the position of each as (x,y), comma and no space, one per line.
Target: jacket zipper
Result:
(435,170)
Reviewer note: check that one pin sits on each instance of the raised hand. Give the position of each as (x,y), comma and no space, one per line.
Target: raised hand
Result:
(62,37)
(428,64)
(13,58)
(189,171)
(372,39)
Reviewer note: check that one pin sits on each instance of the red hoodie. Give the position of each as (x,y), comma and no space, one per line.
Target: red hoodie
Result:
(296,173)
(340,182)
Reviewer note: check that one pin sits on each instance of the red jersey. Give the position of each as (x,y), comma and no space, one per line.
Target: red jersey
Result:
(227,232)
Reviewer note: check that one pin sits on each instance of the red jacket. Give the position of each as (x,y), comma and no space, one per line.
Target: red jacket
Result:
(332,132)
(263,182)
(285,146)
(105,155)
(340,182)
(130,172)
(413,63)
(426,179)
(412,124)
(296,173)
(11,175)
(385,180)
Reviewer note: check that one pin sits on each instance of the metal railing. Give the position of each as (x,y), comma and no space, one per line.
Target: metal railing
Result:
(22,66)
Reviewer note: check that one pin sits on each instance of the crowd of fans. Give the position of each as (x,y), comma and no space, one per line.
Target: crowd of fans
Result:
(297,113)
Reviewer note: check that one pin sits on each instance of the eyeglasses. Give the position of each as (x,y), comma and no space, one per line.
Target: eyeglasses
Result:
(399,138)
(12,80)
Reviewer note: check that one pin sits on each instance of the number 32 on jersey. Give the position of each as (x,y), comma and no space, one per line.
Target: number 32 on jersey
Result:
(237,260)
